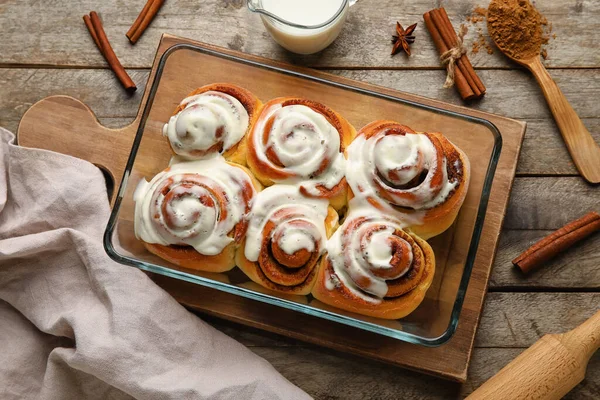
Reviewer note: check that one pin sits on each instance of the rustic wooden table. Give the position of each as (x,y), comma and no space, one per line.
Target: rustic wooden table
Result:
(45,50)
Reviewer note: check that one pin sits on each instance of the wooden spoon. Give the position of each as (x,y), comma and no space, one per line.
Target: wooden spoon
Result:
(584,150)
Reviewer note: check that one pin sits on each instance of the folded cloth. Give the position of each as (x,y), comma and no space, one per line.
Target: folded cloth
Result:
(76,325)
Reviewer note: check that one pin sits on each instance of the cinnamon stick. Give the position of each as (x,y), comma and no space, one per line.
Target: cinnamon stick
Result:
(143,20)
(138,20)
(463,62)
(99,36)
(446,34)
(463,87)
(90,27)
(559,241)
(444,37)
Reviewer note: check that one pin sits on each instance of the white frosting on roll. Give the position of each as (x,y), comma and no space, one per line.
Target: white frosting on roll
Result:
(208,118)
(355,254)
(296,239)
(402,155)
(301,138)
(402,165)
(184,205)
(379,251)
(277,203)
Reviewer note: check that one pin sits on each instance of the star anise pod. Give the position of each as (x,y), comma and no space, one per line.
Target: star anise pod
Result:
(403,39)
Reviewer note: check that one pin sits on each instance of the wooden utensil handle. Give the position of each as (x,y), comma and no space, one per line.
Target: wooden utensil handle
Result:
(584,340)
(580,143)
(549,369)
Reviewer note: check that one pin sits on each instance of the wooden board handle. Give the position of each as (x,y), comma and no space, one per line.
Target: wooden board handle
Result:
(580,143)
(549,369)
(66,125)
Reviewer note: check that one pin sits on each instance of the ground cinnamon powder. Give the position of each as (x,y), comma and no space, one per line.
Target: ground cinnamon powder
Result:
(478,15)
(516,27)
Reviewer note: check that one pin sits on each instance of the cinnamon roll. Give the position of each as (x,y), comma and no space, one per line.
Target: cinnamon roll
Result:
(194,214)
(301,142)
(286,239)
(420,178)
(213,119)
(373,267)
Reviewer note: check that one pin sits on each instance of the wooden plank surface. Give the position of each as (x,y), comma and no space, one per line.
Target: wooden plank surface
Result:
(38,35)
(500,339)
(328,375)
(60,38)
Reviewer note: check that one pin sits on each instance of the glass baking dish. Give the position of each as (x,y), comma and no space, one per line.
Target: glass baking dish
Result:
(184,67)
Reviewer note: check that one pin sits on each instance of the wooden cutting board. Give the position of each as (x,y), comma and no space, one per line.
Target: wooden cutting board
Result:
(66,125)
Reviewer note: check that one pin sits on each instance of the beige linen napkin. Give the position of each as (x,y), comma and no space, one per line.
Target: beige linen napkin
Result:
(76,325)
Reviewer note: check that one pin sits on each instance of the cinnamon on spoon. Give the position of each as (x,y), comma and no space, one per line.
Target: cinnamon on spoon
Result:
(94,25)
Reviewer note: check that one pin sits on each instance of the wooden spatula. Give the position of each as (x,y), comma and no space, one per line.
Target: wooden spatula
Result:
(549,369)
(584,150)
